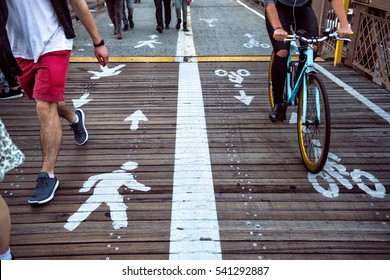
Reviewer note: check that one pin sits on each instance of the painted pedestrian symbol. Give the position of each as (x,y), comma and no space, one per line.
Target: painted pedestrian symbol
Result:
(149,43)
(106,191)
(106,72)
(209,21)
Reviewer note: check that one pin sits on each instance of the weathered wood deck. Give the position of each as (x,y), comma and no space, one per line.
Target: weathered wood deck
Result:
(267,208)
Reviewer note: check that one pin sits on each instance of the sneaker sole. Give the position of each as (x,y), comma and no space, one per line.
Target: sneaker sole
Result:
(11,97)
(47,199)
(86,131)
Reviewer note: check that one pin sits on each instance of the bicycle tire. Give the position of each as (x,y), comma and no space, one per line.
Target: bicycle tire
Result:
(270,89)
(314,135)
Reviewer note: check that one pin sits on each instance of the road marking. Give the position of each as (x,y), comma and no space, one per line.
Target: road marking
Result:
(194,221)
(256,12)
(354,93)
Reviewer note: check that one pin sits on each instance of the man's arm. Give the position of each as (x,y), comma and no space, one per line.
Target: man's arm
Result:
(81,9)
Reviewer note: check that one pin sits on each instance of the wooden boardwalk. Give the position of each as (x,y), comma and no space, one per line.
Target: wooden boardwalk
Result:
(267,206)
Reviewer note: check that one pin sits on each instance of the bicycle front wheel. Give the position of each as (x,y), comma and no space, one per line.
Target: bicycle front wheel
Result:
(314,124)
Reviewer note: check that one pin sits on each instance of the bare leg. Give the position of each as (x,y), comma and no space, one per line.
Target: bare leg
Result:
(51,133)
(5,226)
(66,112)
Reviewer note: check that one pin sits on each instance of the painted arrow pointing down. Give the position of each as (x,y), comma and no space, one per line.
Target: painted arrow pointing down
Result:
(135,119)
(244,98)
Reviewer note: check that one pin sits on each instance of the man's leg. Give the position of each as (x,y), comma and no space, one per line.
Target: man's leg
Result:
(159,19)
(51,133)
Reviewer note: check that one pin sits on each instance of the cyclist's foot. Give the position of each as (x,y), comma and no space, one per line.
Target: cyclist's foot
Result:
(277,113)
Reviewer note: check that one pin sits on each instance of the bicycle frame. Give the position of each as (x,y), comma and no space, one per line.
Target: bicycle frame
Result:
(301,81)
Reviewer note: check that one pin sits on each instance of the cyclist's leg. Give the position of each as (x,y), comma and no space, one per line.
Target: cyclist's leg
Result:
(279,64)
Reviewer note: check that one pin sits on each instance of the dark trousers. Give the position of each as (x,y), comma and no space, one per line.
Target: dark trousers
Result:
(159,12)
(302,18)
(115,8)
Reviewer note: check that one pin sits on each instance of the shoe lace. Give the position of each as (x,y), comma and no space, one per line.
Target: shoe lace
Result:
(41,184)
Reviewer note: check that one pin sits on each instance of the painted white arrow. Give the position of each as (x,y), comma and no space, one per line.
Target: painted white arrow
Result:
(135,118)
(77,103)
(106,72)
(244,98)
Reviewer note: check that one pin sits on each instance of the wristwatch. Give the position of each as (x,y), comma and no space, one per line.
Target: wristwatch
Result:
(99,44)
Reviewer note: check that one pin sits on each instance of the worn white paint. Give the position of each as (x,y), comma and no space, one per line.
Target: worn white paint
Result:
(136,118)
(148,43)
(194,223)
(106,71)
(244,98)
(77,103)
(106,192)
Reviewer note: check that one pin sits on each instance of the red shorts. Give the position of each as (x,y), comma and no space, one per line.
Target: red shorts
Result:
(46,79)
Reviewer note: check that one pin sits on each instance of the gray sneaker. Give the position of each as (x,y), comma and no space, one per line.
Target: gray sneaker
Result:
(79,129)
(44,189)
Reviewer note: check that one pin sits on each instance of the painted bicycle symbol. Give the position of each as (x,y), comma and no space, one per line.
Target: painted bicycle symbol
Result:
(334,172)
(234,77)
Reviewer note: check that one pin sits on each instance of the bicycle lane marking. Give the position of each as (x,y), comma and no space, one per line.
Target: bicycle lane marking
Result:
(354,93)
(194,222)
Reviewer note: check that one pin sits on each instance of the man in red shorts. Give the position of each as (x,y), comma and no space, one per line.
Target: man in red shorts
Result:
(41,33)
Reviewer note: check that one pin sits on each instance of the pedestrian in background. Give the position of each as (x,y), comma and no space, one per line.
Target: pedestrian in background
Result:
(8,64)
(128,19)
(159,14)
(182,6)
(115,10)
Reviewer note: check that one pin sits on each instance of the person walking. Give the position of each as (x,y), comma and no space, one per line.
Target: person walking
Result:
(8,65)
(182,6)
(115,10)
(128,19)
(41,33)
(159,14)
(10,158)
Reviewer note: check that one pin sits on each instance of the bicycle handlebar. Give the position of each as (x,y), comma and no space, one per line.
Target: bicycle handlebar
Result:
(293,37)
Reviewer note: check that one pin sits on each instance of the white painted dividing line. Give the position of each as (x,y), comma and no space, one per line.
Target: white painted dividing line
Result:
(354,93)
(194,222)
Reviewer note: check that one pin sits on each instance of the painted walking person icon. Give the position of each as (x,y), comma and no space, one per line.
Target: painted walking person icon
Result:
(106,191)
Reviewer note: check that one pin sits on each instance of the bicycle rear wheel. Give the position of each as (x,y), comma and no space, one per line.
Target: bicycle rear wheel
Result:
(270,87)
(314,126)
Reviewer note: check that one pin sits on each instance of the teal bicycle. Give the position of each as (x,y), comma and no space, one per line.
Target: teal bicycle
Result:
(307,90)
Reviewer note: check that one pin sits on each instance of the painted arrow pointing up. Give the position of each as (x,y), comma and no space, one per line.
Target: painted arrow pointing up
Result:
(135,118)
(244,98)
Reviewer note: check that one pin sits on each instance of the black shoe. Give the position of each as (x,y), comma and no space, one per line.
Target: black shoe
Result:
(126,27)
(185,28)
(277,113)
(167,26)
(10,93)
(178,23)
(159,28)
(131,24)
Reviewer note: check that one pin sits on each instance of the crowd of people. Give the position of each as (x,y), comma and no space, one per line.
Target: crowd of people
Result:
(36,39)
